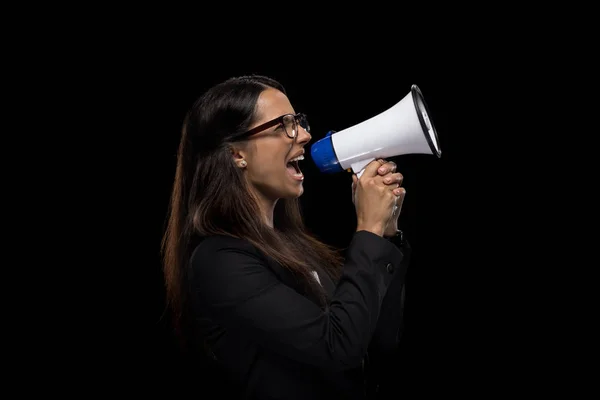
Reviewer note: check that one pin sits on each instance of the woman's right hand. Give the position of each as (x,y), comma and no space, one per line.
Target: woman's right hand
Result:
(373,199)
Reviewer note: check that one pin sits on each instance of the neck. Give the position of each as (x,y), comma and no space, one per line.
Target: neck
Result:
(267,208)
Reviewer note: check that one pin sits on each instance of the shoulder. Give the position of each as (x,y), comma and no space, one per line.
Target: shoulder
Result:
(225,252)
(225,268)
(214,246)
(216,242)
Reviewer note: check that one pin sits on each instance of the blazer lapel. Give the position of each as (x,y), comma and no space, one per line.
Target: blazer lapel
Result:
(326,282)
(288,278)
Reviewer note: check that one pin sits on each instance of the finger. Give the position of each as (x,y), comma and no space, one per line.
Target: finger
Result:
(389,166)
(398,203)
(371,168)
(399,192)
(354,180)
(396,178)
(400,200)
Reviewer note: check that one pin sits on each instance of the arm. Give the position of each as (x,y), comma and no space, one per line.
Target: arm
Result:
(242,294)
(385,340)
(384,346)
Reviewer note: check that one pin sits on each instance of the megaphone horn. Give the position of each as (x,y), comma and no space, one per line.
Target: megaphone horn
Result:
(405,128)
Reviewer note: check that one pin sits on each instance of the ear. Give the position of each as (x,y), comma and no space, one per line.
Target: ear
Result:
(239,155)
(237,152)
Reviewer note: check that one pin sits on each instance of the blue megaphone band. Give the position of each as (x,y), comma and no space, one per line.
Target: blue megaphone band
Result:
(323,155)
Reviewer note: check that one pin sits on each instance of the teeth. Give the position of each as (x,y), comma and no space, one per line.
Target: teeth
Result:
(299,158)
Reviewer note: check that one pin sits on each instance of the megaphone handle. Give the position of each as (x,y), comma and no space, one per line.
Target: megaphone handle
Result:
(359,167)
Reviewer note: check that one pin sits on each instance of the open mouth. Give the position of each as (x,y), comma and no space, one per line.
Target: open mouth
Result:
(294,169)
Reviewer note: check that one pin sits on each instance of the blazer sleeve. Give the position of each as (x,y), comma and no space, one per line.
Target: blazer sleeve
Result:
(386,338)
(237,289)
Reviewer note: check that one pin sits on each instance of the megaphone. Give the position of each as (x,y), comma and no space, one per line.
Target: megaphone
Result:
(402,129)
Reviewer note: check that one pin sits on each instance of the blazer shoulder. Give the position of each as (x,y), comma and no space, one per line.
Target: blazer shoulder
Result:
(222,241)
(210,246)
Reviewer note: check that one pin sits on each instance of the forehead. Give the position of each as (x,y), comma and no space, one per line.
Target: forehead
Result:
(271,104)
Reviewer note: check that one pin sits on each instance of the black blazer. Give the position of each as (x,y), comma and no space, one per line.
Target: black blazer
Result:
(271,340)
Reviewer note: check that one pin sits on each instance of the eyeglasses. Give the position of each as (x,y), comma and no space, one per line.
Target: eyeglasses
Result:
(289,122)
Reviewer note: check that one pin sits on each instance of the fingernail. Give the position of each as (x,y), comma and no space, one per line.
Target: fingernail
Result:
(382,170)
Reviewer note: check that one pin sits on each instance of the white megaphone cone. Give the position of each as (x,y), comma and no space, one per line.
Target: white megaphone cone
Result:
(404,128)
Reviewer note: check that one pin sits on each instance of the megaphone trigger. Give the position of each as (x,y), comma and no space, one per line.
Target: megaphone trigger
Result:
(359,167)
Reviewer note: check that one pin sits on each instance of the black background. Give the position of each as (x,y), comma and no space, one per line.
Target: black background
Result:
(480,219)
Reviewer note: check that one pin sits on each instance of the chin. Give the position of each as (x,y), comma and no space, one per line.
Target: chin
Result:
(294,194)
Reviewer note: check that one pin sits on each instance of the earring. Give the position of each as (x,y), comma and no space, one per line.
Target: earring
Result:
(243,163)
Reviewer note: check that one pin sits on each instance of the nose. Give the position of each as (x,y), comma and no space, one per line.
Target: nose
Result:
(303,136)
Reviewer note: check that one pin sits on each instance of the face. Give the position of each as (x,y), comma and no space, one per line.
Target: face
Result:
(269,154)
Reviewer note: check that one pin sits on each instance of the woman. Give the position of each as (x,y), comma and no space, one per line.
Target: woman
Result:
(281,314)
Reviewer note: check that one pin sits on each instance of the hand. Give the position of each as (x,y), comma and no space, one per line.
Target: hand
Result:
(395,179)
(375,194)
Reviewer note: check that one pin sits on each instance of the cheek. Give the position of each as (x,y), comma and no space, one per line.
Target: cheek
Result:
(271,164)
(271,158)
(267,164)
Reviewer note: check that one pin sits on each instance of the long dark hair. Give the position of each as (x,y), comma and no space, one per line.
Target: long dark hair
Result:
(210,197)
